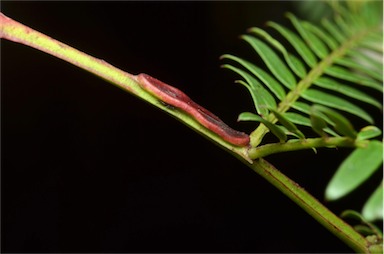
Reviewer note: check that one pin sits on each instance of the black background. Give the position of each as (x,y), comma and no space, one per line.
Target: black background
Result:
(87,167)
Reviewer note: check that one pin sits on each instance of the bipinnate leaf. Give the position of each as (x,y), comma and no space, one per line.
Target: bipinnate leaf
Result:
(355,170)
(335,65)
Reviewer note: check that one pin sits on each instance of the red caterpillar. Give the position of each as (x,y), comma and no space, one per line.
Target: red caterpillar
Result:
(176,98)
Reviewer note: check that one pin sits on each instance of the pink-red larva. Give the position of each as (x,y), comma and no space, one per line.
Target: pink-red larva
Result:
(176,98)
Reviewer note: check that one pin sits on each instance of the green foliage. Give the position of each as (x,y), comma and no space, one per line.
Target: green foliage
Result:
(324,52)
(373,208)
(290,126)
(334,70)
(341,124)
(275,129)
(363,225)
(357,168)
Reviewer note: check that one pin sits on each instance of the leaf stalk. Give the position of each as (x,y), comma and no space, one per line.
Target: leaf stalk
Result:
(300,144)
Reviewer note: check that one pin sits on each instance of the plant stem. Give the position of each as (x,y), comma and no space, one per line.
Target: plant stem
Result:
(17,32)
(294,145)
(312,206)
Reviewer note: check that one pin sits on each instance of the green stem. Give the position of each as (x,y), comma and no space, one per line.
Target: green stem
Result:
(17,32)
(294,145)
(14,31)
(313,207)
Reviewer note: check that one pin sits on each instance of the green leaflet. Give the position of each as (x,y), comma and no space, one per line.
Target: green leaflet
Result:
(267,79)
(365,227)
(333,85)
(350,63)
(329,100)
(333,30)
(306,109)
(368,132)
(373,208)
(263,34)
(317,122)
(302,107)
(351,214)
(371,17)
(365,230)
(261,97)
(314,10)
(373,41)
(342,73)
(341,124)
(349,30)
(375,37)
(296,65)
(317,46)
(293,62)
(364,58)
(355,170)
(299,119)
(276,130)
(331,43)
(351,18)
(305,121)
(273,62)
(290,126)
(297,43)
(372,45)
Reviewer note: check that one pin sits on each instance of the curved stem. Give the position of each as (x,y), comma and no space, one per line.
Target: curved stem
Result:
(17,32)
(312,206)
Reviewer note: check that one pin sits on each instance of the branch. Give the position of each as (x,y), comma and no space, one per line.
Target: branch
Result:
(313,207)
(17,32)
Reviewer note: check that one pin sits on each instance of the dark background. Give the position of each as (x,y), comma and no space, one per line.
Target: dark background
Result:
(87,167)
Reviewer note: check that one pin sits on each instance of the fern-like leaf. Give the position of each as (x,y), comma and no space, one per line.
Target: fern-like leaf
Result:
(331,66)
